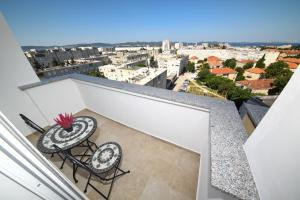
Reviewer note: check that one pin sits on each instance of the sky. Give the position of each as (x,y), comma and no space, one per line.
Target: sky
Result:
(61,22)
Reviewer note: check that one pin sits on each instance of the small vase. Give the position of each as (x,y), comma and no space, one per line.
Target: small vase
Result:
(69,129)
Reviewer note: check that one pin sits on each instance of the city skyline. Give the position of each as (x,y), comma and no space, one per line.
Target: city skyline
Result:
(62,23)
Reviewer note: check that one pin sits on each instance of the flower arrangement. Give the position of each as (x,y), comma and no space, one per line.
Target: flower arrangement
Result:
(65,121)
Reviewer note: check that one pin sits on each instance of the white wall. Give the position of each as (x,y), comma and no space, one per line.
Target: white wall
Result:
(57,97)
(15,71)
(177,124)
(273,149)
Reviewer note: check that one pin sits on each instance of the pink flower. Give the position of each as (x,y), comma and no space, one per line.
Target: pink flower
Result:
(65,121)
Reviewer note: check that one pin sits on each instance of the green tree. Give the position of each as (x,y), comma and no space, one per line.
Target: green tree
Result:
(141,65)
(223,85)
(153,62)
(281,73)
(55,62)
(190,67)
(205,66)
(248,65)
(36,65)
(97,74)
(260,63)
(276,69)
(72,61)
(230,63)
(240,76)
(203,74)
(159,50)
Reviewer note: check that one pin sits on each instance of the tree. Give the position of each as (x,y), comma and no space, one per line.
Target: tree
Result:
(36,65)
(55,62)
(281,73)
(280,82)
(190,67)
(224,86)
(72,61)
(205,66)
(203,74)
(276,69)
(97,74)
(260,63)
(153,62)
(240,76)
(200,61)
(230,63)
(141,65)
(159,50)
(248,65)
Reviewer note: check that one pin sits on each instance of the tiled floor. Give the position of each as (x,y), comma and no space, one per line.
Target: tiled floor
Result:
(159,170)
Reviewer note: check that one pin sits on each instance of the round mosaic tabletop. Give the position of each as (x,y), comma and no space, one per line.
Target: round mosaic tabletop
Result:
(83,128)
(106,157)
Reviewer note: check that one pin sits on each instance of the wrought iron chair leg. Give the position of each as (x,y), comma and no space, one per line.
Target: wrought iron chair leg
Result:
(52,155)
(62,165)
(74,173)
(88,182)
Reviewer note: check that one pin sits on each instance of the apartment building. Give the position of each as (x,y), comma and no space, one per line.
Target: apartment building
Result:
(155,77)
(173,63)
(129,58)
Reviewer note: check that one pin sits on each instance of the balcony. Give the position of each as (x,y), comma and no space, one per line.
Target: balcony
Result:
(159,170)
(205,133)
(208,134)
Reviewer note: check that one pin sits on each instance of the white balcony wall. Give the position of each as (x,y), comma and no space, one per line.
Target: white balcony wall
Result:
(273,148)
(181,125)
(55,98)
(16,71)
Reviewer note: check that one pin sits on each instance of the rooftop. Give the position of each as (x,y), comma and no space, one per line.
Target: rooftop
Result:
(247,61)
(194,58)
(257,84)
(293,60)
(214,61)
(256,70)
(225,70)
(292,65)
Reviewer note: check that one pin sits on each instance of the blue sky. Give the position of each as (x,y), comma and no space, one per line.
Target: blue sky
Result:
(58,22)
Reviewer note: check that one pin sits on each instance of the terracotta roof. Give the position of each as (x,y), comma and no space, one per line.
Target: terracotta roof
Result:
(292,65)
(293,60)
(214,61)
(247,61)
(290,52)
(223,71)
(255,70)
(257,84)
(194,58)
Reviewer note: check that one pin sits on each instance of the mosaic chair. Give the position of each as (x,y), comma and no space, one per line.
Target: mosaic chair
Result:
(89,144)
(103,164)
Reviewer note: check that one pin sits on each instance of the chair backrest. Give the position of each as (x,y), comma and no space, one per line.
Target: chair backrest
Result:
(32,124)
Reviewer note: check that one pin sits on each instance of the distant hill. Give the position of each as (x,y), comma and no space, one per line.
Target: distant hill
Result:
(98,44)
(132,44)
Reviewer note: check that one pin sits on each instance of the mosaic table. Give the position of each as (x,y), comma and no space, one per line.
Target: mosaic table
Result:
(106,157)
(83,128)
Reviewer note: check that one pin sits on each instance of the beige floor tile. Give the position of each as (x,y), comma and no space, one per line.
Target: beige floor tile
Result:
(159,170)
